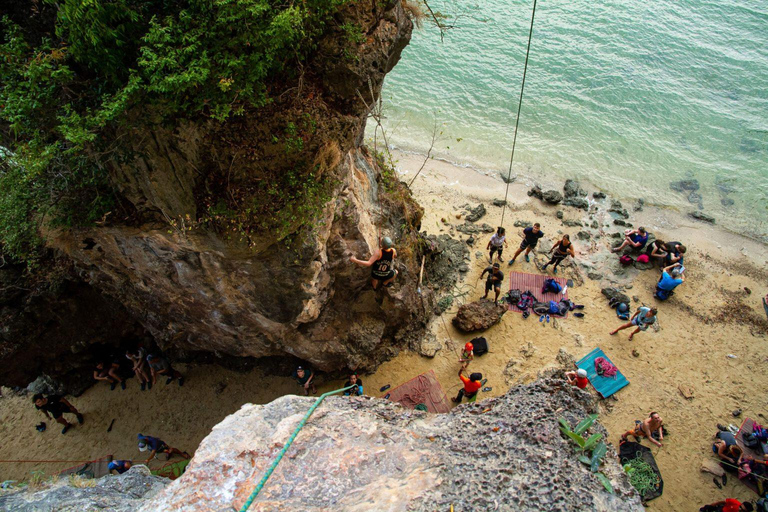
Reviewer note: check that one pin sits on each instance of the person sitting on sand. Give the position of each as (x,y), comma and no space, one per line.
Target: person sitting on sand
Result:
(55,406)
(657,251)
(646,429)
(121,466)
(497,243)
(727,450)
(305,377)
(382,263)
(468,354)
(642,319)
(159,365)
(560,251)
(494,279)
(635,238)
(671,278)
(577,378)
(530,237)
(729,505)
(357,390)
(156,446)
(675,251)
(471,385)
(109,374)
(138,359)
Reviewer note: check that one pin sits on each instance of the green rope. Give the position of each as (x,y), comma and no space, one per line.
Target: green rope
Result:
(280,455)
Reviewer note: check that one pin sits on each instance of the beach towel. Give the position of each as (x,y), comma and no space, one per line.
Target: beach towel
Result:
(605,386)
(535,282)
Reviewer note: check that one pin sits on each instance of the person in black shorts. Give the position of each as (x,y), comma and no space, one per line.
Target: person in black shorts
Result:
(109,373)
(495,277)
(56,406)
(381,263)
(159,365)
(531,237)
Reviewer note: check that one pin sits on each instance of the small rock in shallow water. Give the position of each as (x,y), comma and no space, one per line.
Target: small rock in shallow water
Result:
(727,201)
(684,185)
(702,217)
(552,196)
(598,195)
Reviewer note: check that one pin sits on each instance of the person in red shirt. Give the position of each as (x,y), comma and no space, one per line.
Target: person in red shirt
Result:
(577,378)
(729,505)
(471,385)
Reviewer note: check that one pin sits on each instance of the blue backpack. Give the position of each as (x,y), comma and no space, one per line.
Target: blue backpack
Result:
(554,308)
(551,286)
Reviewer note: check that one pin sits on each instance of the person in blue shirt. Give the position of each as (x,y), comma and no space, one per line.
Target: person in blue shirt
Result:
(156,446)
(121,466)
(671,278)
(354,381)
(635,238)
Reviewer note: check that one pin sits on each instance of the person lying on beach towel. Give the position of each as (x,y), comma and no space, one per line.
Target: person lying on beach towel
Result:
(646,428)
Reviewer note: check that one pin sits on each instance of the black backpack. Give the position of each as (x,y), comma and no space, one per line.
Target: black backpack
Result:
(480,346)
(513,296)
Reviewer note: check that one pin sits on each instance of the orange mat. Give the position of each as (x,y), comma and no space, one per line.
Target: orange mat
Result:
(424,389)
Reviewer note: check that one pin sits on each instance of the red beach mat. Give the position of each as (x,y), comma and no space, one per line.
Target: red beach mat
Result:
(424,389)
(535,282)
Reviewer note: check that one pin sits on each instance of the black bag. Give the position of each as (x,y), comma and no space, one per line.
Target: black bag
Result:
(751,440)
(513,296)
(480,346)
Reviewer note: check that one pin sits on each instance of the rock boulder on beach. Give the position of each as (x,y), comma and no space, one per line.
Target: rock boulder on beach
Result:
(615,294)
(702,217)
(475,213)
(552,197)
(478,315)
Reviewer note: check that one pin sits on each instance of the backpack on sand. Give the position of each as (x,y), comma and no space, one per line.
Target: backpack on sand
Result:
(480,346)
(551,286)
(626,259)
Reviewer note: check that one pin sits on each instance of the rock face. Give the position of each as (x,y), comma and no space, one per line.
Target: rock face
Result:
(478,315)
(368,454)
(200,286)
(123,493)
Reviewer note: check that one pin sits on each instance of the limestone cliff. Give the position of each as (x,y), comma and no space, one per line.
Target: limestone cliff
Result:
(191,259)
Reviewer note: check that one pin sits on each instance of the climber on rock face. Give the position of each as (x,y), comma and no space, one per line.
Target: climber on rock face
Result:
(382,263)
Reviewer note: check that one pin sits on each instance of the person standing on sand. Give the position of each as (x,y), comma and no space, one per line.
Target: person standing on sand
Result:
(156,446)
(646,429)
(642,318)
(56,406)
(467,355)
(635,238)
(471,385)
(495,277)
(138,360)
(497,243)
(562,250)
(305,377)
(530,237)
(382,263)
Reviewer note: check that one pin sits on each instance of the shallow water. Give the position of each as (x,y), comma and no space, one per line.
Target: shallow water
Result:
(629,96)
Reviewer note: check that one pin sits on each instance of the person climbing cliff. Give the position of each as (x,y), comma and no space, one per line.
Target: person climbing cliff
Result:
(382,264)
(156,446)
(56,406)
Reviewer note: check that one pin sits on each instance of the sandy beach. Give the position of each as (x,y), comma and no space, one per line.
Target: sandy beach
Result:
(710,318)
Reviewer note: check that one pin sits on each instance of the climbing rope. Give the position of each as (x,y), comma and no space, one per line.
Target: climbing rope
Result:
(519,106)
(280,455)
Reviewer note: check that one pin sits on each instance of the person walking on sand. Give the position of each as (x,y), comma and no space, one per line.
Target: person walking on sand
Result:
(468,354)
(471,385)
(642,319)
(560,251)
(109,374)
(530,237)
(635,238)
(156,446)
(138,359)
(382,263)
(305,377)
(497,243)
(494,279)
(56,406)
(646,428)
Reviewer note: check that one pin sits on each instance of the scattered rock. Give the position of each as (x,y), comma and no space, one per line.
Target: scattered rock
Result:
(470,240)
(46,385)
(598,195)
(594,225)
(748,291)
(702,217)
(639,205)
(463,268)
(536,192)
(479,254)
(528,350)
(499,202)
(635,353)
(697,199)
(577,202)
(506,178)
(478,315)
(565,359)
(615,294)
(583,235)
(487,229)
(644,266)
(595,276)
(736,413)
(522,224)
(476,213)
(572,223)
(468,228)
(509,371)
(618,209)
(427,346)
(635,298)
(684,185)
(686,391)
(552,196)
(620,222)
(727,201)
(571,189)
(616,235)
(559,214)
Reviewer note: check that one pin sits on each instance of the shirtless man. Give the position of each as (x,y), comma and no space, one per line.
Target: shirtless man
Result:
(646,429)
(382,263)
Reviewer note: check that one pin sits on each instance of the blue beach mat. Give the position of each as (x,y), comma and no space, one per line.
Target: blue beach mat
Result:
(606,386)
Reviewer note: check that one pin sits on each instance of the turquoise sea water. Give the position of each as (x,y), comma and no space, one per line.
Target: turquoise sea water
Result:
(627,95)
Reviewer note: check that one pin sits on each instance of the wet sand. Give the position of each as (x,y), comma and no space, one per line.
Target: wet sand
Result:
(709,317)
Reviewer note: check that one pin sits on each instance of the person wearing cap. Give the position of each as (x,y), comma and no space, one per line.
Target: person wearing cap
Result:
(382,264)
(642,319)
(156,446)
(636,238)
(577,378)
(121,466)
(357,390)
(494,279)
(305,377)
(468,354)
(471,385)
(159,365)
(56,406)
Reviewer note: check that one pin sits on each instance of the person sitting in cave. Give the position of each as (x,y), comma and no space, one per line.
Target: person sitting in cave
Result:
(382,263)
(109,374)
(56,406)
(121,466)
(159,446)
(471,385)
(357,390)
(139,361)
(159,365)
(305,377)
